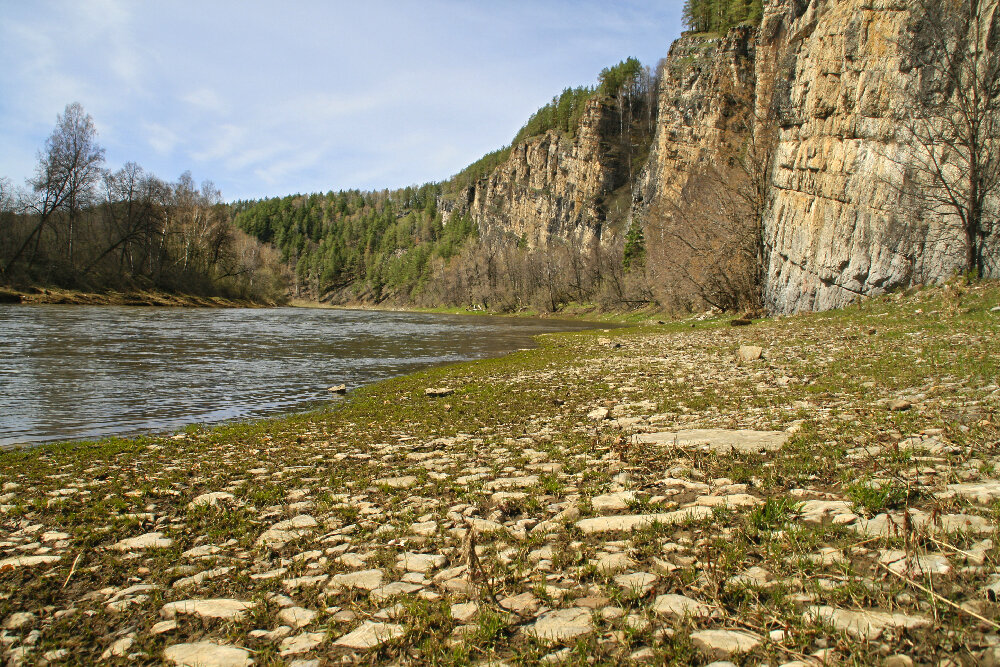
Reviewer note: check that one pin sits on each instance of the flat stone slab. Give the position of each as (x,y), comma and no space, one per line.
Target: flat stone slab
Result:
(196,579)
(865,624)
(212,499)
(731,500)
(887,525)
(412,562)
(383,593)
(295,583)
(26,561)
(562,624)
(984,492)
(755,576)
(464,612)
(820,511)
(680,605)
(303,643)
(485,526)
(525,603)
(613,502)
(612,563)
(511,483)
(424,528)
(367,580)
(297,617)
(639,583)
(213,608)
(915,565)
(721,644)
(147,541)
(404,482)
(627,522)
(722,441)
(207,654)
(284,532)
(18,620)
(370,635)
(299,522)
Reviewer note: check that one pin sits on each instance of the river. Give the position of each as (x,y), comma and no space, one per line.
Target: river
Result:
(76,372)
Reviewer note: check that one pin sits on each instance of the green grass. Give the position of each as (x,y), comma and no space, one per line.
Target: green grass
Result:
(827,374)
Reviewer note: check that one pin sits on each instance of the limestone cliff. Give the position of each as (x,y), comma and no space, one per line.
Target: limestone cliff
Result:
(827,82)
(701,85)
(839,224)
(555,186)
(829,77)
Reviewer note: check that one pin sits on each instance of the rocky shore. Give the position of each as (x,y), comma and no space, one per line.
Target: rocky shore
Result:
(811,490)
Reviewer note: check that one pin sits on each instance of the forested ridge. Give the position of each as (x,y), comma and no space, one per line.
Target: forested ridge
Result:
(562,114)
(374,242)
(81,226)
(397,245)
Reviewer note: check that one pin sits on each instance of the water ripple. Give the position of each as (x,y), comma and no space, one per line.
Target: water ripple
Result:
(71,372)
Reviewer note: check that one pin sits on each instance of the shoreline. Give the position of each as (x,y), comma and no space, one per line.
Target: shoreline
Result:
(315,406)
(137,298)
(159,298)
(656,494)
(577,314)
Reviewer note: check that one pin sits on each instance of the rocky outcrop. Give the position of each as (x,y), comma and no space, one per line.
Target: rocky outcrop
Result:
(829,80)
(553,185)
(825,83)
(839,224)
(703,84)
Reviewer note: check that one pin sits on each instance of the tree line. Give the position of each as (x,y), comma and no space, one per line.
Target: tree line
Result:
(720,15)
(374,245)
(78,225)
(626,80)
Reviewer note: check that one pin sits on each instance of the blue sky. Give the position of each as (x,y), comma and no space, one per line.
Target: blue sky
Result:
(267,98)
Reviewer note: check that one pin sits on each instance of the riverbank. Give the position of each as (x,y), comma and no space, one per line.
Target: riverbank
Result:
(577,312)
(52,295)
(820,487)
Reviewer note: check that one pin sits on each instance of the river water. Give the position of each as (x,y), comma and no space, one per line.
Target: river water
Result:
(73,372)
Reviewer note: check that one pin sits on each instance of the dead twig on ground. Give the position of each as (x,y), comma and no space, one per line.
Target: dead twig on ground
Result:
(938,598)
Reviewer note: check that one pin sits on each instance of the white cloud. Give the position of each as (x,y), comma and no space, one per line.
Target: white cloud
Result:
(207,99)
(226,140)
(162,139)
(267,99)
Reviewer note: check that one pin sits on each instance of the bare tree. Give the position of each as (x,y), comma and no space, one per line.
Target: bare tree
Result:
(65,177)
(133,220)
(953,116)
(711,236)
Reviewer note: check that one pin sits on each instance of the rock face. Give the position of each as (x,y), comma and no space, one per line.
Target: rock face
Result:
(552,186)
(828,77)
(839,225)
(825,84)
(704,82)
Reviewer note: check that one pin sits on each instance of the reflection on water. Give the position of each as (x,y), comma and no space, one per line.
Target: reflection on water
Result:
(71,372)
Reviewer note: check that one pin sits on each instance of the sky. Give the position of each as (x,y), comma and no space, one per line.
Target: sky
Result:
(269,99)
